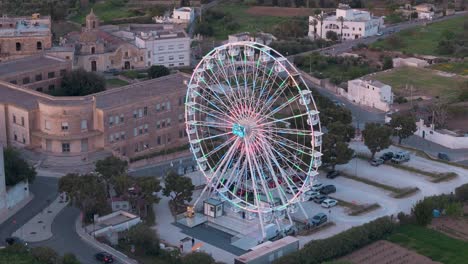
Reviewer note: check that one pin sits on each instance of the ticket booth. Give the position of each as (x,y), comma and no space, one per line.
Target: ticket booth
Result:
(213,207)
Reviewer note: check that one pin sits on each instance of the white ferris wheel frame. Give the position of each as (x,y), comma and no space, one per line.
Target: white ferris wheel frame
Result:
(244,127)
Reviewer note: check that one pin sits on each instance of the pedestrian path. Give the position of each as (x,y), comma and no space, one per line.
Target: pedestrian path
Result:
(9,212)
(40,226)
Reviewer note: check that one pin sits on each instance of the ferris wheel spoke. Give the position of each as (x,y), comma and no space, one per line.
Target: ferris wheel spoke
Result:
(218,148)
(284,119)
(212,124)
(282,141)
(226,159)
(214,136)
(198,106)
(211,114)
(216,82)
(290,131)
(282,106)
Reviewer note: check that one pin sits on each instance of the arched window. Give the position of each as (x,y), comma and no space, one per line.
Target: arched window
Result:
(93,66)
(18,46)
(93,50)
(94,24)
(39,45)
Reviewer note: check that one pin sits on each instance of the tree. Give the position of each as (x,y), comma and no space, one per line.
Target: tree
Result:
(45,255)
(403,126)
(331,35)
(344,131)
(335,150)
(387,63)
(439,113)
(80,82)
(198,258)
(422,210)
(341,19)
(461,193)
(69,258)
(16,168)
(204,29)
(149,187)
(87,192)
(376,137)
(179,188)
(109,168)
(314,24)
(144,238)
(157,71)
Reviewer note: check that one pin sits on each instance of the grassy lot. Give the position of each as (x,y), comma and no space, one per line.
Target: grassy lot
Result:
(460,68)
(432,244)
(423,39)
(106,11)
(246,21)
(114,82)
(424,82)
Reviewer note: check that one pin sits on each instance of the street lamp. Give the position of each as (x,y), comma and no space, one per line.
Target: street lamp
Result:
(398,129)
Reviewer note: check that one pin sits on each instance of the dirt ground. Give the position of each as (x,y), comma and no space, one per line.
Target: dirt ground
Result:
(279,11)
(373,57)
(454,227)
(384,252)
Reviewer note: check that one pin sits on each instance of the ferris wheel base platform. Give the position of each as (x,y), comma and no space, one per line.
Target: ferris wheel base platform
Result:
(197,219)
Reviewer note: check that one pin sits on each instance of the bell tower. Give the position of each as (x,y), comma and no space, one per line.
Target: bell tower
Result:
(92,21)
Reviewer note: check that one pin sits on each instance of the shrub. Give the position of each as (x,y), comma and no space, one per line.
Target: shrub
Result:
(422,210)
(44,255)
(400,100)
(461,193)
(341,244)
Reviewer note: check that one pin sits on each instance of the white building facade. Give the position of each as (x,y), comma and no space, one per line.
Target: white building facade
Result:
(370,93)
(356,24)
(183,15)
(171,49)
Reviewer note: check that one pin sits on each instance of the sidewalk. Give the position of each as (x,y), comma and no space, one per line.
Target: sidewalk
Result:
(87,238)
(39,227)
(9,212)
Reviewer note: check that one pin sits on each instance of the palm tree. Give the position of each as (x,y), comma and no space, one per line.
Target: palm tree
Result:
(320,17)
(314,23)
(341,19)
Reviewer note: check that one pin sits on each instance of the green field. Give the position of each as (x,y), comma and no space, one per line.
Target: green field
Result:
(460,68)
(423,39)
(247,22)
(114,82)
(432,244)
(16,258)
(106,11)
(424,82)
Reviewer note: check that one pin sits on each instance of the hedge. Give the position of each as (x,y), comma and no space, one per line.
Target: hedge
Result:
(159,153)
(318,251)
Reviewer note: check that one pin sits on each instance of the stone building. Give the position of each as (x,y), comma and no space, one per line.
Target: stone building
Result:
(39,72)
(98,50)
(24,36)
(133,120)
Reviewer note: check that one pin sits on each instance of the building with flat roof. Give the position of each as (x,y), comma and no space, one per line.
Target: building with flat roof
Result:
(183,15)
(260,37)
(355,24)
(129,121)
(40,72)
(24,36)
(371,93)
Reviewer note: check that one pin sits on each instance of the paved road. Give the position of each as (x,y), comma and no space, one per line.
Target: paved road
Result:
(66,240)
(181,165)
(44,190)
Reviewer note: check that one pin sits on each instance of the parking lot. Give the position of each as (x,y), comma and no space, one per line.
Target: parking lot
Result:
(361,193)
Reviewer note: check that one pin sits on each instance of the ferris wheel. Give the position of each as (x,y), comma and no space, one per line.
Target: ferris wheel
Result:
(254,130)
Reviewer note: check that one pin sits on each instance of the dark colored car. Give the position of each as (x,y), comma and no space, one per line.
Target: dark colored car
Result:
(387,156)
(318,219)
(443,156)
(104,257)
(327,189)
(320,198)
(15,240)
(333,174)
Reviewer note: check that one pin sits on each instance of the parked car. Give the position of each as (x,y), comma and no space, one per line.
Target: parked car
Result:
(387,156)
(328,189)
(443,156)
(327,203)
(401,156)
(333,174)
(311,194)
(376,162)
(15,241)
(318,219)
(319,199)
(379,33)
(316,187)
(292,190)
(104,257)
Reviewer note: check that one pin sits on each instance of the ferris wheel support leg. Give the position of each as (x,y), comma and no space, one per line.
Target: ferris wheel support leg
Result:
(201,195)
(302,209)
(262,227)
